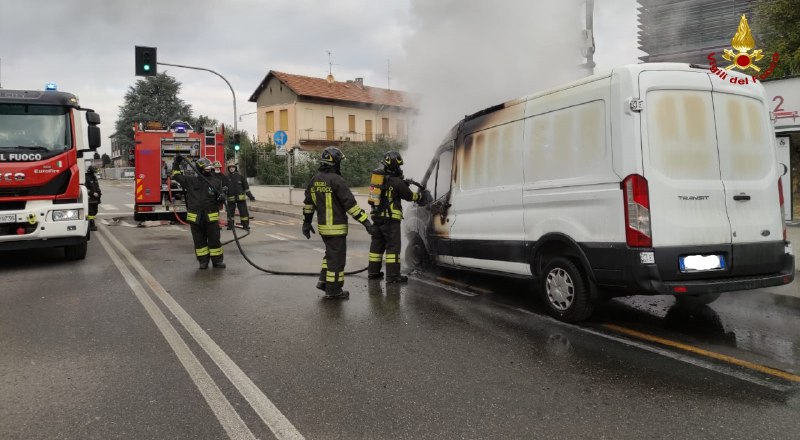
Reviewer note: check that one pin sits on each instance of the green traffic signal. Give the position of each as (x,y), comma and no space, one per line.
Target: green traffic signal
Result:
(146,67)
(236,147)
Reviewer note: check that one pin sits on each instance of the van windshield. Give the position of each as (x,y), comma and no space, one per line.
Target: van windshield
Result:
(26,127)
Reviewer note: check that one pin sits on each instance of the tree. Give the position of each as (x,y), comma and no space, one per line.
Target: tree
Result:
(106,160)
(96,155)
(152,99)
(204,122)
(776,23)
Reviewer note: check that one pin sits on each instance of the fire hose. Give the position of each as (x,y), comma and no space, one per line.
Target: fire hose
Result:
(236,238)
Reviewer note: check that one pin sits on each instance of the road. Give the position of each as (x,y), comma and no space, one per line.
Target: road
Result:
(135,342)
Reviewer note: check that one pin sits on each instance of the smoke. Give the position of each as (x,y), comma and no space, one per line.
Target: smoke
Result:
(466,55)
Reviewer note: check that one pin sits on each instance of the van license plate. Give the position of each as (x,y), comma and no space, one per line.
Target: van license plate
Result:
(8,218)
(699,263)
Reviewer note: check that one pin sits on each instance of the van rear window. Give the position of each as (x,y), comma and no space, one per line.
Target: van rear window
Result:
(744,137)
(680,134)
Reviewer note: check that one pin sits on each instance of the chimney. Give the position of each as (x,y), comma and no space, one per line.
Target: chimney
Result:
(360,82)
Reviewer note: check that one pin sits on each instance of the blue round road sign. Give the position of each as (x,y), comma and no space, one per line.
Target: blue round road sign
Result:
(280,138)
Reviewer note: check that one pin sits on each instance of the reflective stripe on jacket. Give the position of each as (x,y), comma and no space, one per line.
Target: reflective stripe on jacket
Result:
(327,194)
(396,189)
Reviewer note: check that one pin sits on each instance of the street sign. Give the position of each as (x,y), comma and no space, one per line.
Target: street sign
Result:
(280,138)
(280,141)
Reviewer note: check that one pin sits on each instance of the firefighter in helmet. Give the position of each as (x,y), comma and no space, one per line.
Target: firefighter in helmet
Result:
(237,190)
(387,215)
(93,187)
(327,194)
(204,193)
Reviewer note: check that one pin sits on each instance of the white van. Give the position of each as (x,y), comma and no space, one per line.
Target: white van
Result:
(650,179)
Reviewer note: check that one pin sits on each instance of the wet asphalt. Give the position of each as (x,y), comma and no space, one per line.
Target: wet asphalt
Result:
(80,357)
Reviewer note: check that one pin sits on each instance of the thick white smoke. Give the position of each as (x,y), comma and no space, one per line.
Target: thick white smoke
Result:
(465,55)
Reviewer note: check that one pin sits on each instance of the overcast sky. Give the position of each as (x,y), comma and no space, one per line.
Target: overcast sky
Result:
(87,46)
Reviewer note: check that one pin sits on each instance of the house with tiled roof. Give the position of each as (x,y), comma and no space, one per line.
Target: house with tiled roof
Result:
(316,112)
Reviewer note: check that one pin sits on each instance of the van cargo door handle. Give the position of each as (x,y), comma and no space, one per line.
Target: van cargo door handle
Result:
(741,197)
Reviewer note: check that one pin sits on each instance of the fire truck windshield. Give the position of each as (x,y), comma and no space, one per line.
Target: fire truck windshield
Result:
(34,128)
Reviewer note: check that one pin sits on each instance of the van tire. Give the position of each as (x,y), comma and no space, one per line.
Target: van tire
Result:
(416,254)
(566,291)
(76,252)
(693,301)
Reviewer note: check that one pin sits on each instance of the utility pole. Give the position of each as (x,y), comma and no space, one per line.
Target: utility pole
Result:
(388,75)
(588,39)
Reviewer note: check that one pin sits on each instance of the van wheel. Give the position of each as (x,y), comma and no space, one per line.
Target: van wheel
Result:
(565,291)
(416,254)
(76,252)
(692,301)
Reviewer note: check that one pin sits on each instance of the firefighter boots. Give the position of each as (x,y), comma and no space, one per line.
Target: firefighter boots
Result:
(334,291)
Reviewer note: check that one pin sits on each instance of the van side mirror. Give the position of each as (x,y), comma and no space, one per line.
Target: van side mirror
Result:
(785,169)
(94,136)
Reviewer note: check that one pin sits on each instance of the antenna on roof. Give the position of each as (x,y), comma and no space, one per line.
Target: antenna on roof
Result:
(330,69)
(388,75)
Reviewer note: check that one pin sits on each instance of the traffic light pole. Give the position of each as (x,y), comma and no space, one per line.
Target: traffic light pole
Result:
(235,129)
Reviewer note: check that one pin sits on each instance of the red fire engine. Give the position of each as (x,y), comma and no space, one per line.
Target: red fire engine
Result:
(42,201)
(155,150)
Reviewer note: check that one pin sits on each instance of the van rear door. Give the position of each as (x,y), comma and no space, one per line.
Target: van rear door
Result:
(688,212)
(749,173)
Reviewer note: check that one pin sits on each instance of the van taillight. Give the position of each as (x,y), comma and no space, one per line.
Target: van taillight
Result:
(637,211)
(783,208)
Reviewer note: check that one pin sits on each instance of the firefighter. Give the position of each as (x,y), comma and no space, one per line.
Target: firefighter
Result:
(327,194)
(387,215)
(204,193)
(237,189)
(93,187)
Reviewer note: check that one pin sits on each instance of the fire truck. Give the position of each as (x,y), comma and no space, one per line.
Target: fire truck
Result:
(156,196)
(42,201)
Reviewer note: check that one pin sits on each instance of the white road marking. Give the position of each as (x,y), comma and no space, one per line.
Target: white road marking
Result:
(178,228)
(290,237)
(277,237)
(108,207)
(230,420)
(269,413)
(129,205)
(322,251)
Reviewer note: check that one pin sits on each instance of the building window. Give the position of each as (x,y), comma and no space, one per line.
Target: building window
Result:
(401,129)
(351,123)
(284,120)
(368,130)
(329,135)
(385,126)
(270,122)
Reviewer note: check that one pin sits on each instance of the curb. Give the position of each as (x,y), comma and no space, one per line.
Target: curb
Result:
(276,212)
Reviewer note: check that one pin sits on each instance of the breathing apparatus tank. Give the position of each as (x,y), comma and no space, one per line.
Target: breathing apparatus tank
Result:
(376,182)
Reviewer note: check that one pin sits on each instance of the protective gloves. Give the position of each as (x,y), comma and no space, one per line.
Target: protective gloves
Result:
(308,230)
(371,229)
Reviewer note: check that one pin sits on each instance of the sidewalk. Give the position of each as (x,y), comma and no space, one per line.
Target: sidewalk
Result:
(792,232)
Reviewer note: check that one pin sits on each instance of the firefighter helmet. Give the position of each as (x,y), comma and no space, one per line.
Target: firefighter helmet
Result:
(392,162)
(331,158)
(203,164)
(233,165)
(217,164)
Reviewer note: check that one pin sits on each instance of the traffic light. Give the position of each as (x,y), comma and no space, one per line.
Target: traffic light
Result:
(146,61)
(236,140)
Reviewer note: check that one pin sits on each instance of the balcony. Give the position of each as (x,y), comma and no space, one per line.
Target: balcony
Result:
(315,136)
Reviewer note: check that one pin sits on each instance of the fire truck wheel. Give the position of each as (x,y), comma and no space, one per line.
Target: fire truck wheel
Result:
(76,252)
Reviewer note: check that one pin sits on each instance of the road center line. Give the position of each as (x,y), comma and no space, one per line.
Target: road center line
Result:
(269,413)
(710,354)
(230,420)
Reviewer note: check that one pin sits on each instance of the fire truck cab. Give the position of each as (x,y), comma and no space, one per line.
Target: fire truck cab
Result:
(42,201)
(156,196)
